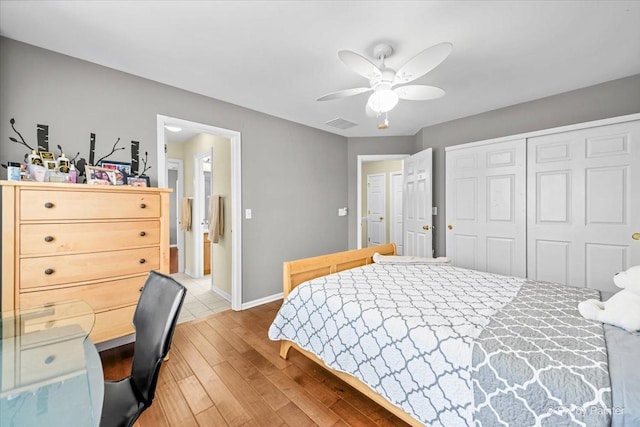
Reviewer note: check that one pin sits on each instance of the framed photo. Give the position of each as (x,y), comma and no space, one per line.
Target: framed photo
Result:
(138,181)
(48,159)
(122,169)
(100,176)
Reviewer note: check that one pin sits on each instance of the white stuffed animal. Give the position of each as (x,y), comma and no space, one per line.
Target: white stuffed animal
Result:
(622,309)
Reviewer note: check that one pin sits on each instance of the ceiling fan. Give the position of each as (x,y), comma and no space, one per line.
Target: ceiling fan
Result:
(383,79)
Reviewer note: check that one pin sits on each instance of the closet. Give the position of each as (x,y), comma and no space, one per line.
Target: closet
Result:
(559,205)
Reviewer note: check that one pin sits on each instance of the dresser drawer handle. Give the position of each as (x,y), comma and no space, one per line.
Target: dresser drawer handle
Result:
(141,288)
(142,260)
(142,234)
(49,271)
(142,206)
(48,239)
(49,205)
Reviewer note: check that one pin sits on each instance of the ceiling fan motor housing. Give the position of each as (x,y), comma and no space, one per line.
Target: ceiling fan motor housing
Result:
(382,50)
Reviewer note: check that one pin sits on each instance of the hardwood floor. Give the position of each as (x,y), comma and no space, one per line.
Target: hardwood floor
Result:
(224,371)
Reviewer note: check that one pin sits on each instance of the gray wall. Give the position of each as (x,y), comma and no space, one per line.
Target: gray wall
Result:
(610,99)
(368,146)
(293,176)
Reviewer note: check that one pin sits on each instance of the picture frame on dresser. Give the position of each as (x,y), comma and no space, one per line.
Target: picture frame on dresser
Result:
(123,170)
(100,176)
(138,181)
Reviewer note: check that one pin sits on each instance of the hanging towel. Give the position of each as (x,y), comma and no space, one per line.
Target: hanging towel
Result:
(185,216)
(216,218)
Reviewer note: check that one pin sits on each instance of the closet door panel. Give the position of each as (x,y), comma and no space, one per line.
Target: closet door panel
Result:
(553,192)
(486,204)
(584,190)
(554,261)
(500,254)
(466,251)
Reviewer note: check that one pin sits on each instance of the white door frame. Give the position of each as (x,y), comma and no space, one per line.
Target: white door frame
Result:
(197,209)
(365,159)
(393,208)
(236,190)
(178,164)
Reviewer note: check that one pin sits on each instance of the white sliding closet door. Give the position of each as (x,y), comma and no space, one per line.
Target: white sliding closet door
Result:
(486,207)
(584,205)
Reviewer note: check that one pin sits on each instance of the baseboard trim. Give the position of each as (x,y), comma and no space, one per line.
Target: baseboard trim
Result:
(260,301)
(222,293)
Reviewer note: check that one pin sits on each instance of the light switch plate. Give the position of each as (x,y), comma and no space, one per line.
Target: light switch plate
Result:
(248,214)
(342,211)
(434,211)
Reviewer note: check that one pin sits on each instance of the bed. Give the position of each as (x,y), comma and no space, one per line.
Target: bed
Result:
(441,345)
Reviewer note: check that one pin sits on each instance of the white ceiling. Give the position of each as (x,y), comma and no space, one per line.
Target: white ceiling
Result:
(277,57)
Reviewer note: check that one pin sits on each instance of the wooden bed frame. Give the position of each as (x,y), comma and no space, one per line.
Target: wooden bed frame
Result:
(299,271)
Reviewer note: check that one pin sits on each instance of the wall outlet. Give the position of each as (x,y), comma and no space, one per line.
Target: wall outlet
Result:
(342,211)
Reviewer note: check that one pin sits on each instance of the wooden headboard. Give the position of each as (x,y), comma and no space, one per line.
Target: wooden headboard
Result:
(301,270)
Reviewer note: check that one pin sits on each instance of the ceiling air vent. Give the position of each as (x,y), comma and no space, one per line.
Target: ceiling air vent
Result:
(341,123)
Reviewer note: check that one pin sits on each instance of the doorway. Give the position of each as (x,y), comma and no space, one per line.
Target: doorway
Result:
(234,231)
(369,165)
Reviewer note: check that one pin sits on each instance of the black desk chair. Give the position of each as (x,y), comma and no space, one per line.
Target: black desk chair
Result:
(154,320)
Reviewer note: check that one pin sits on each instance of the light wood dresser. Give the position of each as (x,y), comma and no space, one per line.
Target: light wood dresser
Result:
(88,242)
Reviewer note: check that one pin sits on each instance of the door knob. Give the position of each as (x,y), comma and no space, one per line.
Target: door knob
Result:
(635,236)
(450,227)
(425,227)
(381,218)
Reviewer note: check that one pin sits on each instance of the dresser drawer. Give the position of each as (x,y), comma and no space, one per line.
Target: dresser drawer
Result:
(70,205)
(100,296)
(44,239)
(113,324)
(63,269)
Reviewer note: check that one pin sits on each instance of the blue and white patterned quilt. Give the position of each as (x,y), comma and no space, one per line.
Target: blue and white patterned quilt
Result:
(539,363)
(404,330)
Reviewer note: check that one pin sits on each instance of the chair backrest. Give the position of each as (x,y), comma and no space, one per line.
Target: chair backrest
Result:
(155,320)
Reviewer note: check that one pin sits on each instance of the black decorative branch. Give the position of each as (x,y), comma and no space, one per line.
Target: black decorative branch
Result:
(144,164)
(22,141)
(113,150)
(72,160)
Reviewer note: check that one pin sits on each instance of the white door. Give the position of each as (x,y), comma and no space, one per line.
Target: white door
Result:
(486,207)
(584,205)
(376,203)
(175,180)
(417,204)
(395,211)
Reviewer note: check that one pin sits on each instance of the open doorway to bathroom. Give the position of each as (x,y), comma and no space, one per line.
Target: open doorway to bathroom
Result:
(210,160)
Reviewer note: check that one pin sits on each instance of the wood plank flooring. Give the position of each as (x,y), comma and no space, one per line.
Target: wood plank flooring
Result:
(224,371)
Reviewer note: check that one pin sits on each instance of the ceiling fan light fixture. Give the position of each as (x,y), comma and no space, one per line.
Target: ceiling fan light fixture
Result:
(383,100)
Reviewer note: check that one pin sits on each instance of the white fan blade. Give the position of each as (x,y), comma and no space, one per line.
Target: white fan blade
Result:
(344,93)
(422,63)
(419,92)
(359,64)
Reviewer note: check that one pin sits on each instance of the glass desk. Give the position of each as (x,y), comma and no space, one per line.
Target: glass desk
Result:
(50,371)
